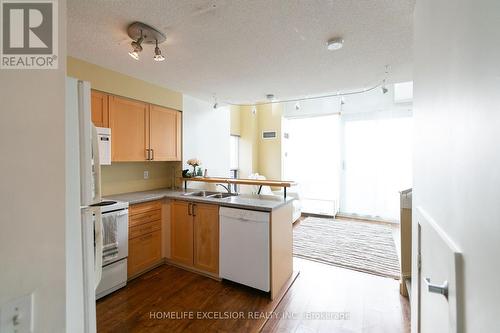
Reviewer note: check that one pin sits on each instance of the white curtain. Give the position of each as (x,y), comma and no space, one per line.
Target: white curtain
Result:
(377,164)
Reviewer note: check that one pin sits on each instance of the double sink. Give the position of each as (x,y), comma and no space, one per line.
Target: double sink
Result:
(209,194)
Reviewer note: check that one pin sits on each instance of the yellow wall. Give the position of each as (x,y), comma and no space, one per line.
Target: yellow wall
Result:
(129,177)
(120,84)
(249,143)
(235,120)
(269,160)
(257,154)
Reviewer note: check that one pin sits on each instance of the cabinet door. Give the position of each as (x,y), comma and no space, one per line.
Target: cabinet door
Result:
(206,237)
(128,120)
(181,233)
(165,134)
(143,252)
(100,114)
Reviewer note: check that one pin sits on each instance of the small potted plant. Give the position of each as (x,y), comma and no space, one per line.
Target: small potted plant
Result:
(194,162)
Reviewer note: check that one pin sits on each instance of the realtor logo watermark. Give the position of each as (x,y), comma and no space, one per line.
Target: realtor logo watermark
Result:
(29,34)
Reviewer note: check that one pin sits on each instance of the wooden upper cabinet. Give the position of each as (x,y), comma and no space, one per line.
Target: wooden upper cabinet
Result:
(206,237)
(181,233)
(100,114)
(129,122)
(165,134)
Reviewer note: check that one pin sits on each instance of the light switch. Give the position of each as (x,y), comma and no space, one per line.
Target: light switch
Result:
(16,315)
(146,174)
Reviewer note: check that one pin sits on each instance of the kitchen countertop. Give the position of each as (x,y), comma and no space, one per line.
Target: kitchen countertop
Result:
(264,203)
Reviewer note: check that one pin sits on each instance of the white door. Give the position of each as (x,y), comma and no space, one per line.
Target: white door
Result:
(439,278)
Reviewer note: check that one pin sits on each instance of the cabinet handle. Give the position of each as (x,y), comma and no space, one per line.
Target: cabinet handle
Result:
(147,155)
(189,209)
(152,154)
(194,205)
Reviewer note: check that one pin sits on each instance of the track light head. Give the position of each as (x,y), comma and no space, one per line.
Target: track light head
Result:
(137,47)
(158,56)
(384,90)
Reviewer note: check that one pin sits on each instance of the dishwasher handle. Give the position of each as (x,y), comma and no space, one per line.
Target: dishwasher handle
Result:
(241,219)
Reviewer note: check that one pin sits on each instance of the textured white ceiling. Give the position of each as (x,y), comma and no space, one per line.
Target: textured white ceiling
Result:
(244,49)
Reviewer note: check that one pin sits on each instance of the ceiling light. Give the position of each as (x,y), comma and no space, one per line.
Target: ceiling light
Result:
(297,106)
(270,97)
(335,44)
(158,56)
(142,33)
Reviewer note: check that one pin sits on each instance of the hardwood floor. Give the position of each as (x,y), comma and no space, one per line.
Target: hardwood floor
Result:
(371,303)
(146,303)
(357,302)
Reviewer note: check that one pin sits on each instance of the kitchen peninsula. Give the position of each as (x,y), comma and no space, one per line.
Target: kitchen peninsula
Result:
(194,230)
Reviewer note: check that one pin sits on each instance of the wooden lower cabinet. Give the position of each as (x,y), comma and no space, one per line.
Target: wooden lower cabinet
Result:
(181,241)
(144,252)
(195,235)
(144,245)
(206,237)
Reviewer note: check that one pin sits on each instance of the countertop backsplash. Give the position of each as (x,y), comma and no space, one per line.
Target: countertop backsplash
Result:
(123,177)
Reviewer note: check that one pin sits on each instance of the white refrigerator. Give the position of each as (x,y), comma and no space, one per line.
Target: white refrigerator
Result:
(83,220)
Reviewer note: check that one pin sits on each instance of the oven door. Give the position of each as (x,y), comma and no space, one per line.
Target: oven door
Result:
(121,236)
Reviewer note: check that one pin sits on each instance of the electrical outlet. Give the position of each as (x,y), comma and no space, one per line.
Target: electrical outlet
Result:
(16,315)
(146,174)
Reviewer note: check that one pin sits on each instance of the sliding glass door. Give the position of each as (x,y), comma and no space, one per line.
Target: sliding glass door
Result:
(311,158)
(376,165)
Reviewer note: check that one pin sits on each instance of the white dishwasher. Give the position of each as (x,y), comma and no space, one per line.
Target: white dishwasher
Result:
(244,247)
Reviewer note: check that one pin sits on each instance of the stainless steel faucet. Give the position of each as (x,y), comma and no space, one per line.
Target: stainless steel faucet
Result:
(228,187)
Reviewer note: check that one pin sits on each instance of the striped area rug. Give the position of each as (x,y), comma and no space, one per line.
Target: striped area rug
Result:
(361,246)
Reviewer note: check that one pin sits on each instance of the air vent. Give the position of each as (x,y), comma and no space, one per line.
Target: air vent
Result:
(268,135)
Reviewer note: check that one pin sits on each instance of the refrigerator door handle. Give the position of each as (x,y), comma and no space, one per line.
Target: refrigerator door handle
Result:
(98,230)
(97,165)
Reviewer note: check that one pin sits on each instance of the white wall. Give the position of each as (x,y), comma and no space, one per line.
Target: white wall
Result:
(32,190)
(206,136)
(457,140)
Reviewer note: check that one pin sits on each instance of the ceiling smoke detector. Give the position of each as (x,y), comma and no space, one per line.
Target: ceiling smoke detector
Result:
(270,97)
(335,44)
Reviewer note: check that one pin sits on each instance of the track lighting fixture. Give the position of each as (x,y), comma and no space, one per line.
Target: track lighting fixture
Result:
(142,33)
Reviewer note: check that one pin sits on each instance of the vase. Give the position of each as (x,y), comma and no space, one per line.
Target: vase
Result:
(194,170)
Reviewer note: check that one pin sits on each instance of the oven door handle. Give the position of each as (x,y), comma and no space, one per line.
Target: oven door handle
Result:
(122,212)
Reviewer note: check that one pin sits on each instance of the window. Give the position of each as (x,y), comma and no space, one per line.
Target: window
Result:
(377,165)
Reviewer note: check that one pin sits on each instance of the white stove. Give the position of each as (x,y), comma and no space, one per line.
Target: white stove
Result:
(115,247)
